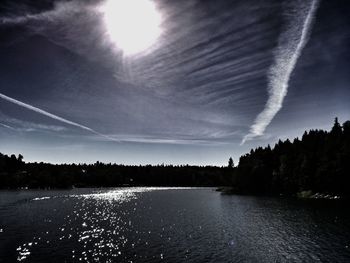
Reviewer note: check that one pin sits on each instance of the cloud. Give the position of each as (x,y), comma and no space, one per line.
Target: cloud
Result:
(174,140)
(25,126)
(52,116)
(74,25)
(60,10)
(7,126)
(291,44)
(202,68)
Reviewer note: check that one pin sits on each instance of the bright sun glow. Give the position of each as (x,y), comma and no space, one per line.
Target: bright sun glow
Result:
(132,25)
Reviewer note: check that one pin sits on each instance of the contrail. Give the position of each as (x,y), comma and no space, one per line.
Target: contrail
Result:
(52,116)
(286,56)
(7,126)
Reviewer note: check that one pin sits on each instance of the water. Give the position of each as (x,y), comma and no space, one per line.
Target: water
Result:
(169,225)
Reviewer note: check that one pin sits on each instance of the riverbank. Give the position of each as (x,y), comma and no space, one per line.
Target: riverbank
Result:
(301,195)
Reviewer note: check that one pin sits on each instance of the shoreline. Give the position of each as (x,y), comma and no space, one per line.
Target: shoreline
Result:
(306,195)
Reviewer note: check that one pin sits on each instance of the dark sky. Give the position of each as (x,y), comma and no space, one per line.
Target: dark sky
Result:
(219,74)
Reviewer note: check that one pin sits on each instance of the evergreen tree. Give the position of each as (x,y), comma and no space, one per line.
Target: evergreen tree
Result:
(230,163)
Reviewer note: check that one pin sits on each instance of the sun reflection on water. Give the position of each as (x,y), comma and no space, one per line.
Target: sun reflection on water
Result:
(97,223)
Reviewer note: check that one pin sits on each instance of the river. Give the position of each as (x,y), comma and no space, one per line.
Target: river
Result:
(169,225)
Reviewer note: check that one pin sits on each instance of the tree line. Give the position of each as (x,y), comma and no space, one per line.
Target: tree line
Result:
(14,173)
(319,161)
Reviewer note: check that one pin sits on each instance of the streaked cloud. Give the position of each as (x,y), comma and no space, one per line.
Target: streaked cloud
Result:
(26,126)
(203,83)
(7,126)
(52,116)
(291,44)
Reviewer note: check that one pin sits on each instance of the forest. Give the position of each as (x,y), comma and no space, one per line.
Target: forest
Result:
(14,173)
(319,162)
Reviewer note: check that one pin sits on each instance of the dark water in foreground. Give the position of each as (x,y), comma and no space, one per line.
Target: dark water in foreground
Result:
(170,225)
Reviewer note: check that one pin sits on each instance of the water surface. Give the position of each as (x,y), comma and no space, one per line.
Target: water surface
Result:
(170,225)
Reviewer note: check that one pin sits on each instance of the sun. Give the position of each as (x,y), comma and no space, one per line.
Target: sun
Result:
(132,26)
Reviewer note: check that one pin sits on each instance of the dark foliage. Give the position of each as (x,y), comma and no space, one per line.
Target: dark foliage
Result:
(319,162)
(14,173)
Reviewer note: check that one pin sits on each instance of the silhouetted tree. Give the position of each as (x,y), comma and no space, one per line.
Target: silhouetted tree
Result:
(318,162)
(336,129)
(230,163)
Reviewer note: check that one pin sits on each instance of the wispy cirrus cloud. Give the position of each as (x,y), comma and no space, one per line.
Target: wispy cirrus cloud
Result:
(26,126)
(291,43)
(52,116)
(45,113)
(200,68)
(7,126)
(171,140)
(61,9)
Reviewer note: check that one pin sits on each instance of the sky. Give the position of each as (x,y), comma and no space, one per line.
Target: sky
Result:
(180,82)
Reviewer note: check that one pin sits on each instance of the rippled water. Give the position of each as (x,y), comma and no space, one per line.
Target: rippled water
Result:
(170,225)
